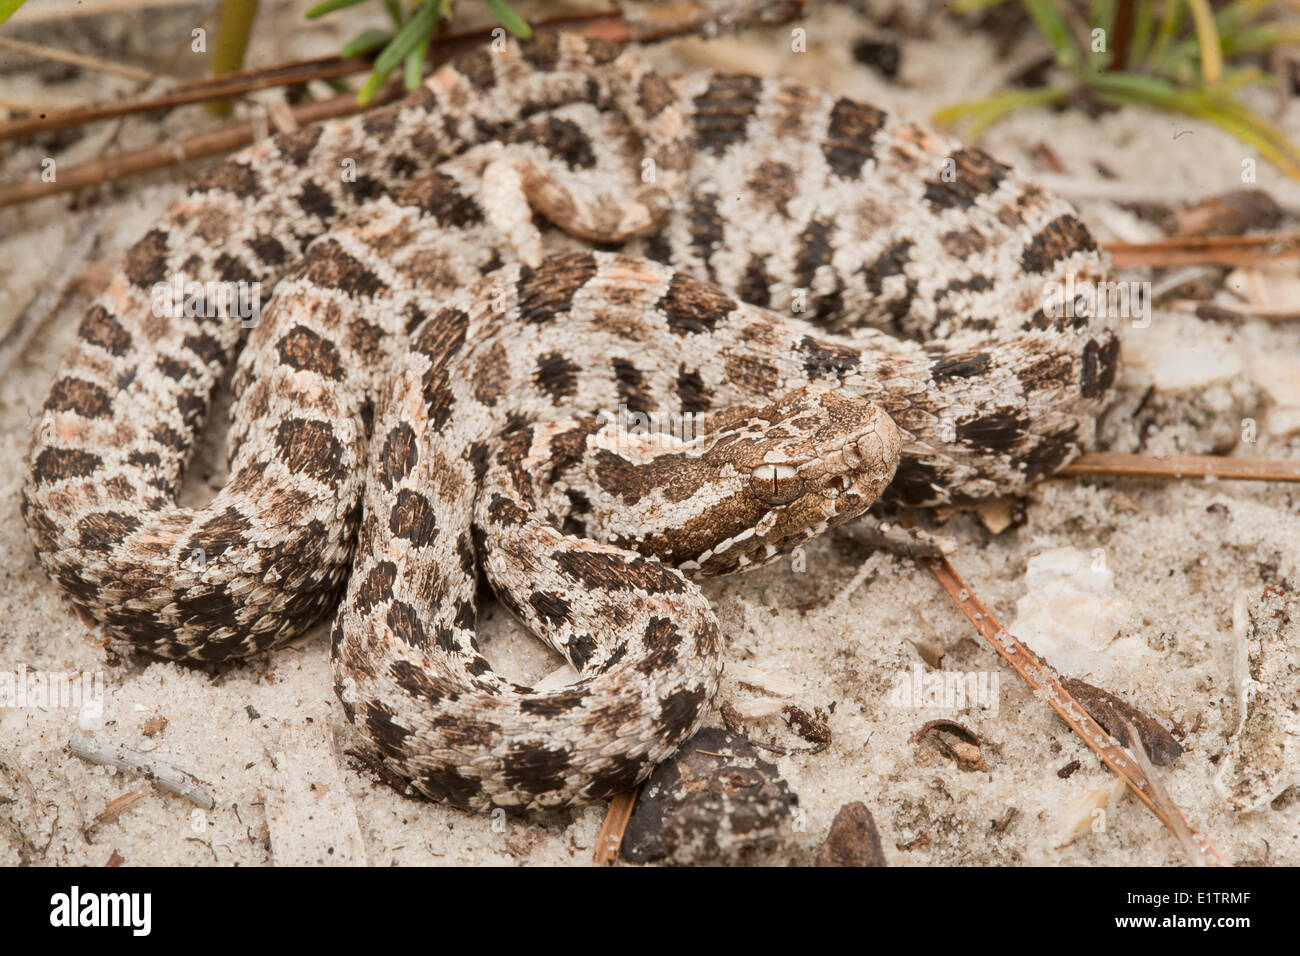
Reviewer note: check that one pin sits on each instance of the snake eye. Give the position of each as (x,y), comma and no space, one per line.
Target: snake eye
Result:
(775,484)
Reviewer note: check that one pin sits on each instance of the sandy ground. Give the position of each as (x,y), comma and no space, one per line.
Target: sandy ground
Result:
(268,736)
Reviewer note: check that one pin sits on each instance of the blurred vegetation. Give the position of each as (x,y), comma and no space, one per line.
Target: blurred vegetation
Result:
(407,42)
(8,8)
(1183,56)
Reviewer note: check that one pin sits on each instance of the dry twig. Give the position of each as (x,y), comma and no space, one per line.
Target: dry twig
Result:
(1043,678)
(75,59)
(1183,466)
(615,825)
(231,84)
(1204,250)
(164,775)
(210,142)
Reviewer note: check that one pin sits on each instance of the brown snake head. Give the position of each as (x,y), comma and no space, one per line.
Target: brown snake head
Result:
(757,484)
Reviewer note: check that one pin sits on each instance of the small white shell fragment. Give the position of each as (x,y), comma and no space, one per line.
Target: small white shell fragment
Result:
(1088,812)
(562,676)
(1263,756)
(762,680)
(1071,612)
(1178,364)
(1268,289)
(752,708)
(1279,379)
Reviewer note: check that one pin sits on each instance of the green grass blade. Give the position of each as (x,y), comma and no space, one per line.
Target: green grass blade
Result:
(1209,105)
(1170,21)
(1207,35)
(416,30)
(366,41)
(1144,27)
(1052,26)
(8,8)
(373,83)
(975,6)
(329,6)
(509,19)
(414,67)
(986,112)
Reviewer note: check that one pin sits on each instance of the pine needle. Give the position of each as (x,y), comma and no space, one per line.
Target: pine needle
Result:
(1042,677)
(611,831)
(1183,466)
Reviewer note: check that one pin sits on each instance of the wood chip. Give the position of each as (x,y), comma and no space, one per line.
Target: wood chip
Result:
(853,839)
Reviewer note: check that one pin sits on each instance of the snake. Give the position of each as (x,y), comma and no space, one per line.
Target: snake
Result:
(472,292)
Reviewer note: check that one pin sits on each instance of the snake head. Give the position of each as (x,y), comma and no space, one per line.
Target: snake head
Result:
(815,458)
(758,483)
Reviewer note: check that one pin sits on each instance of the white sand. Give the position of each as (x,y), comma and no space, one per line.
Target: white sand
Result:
(268,735)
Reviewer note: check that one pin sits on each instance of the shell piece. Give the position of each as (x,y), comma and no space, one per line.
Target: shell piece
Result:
(1263,757)
(1279,379)
(1088,811)
(1072,611)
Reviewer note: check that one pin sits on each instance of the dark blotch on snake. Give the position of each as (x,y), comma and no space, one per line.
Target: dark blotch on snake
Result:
(413,518)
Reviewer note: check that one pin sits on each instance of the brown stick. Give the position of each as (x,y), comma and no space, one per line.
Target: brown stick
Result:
(638,23)
(1205,251)
(76,59)
(615,825)
(1184,466)
(1042,677)
(220,140)
(635,25)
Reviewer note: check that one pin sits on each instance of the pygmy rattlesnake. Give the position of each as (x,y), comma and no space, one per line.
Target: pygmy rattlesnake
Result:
(762,230)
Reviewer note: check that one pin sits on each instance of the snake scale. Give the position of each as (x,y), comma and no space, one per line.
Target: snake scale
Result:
(479,277)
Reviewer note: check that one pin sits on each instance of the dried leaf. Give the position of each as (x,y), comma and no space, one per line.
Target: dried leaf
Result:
(1112,713)
(853,839)
(954,741)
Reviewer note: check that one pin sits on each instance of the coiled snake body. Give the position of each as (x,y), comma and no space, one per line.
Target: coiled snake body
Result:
(434,390)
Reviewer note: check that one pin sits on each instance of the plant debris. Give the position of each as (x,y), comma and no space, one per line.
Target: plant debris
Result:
(1231,214)
(1263,758)
(853,839)
(1113,714)
(955,741)
(713,799)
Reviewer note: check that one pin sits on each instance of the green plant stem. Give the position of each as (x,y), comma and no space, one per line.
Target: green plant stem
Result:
(8,8)
(232,41)
(986,112)
(1170,21)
